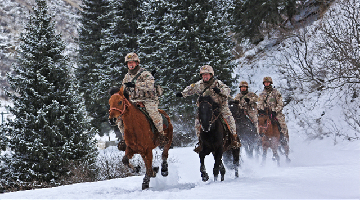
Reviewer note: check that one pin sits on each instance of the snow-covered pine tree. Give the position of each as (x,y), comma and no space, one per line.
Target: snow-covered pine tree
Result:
(251,18)
(95,17)
(49,129)
(179,37)
(119,39)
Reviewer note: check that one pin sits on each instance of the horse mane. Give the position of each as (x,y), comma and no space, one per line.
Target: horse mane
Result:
(116,89)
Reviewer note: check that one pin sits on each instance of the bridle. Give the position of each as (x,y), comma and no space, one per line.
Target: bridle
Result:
(121,111)
(213,117)
(268,124)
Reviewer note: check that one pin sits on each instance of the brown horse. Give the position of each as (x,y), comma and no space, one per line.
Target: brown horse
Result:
(138,135)
(270,136)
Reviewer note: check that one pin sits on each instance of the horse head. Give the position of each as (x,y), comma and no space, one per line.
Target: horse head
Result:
(208,112)
(118,103)
(264,121)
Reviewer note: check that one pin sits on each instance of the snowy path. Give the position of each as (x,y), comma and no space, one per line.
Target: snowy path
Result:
(317,170)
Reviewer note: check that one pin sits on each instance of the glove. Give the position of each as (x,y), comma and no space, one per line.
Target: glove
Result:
(130,84)
(179,94)
(216,90)
(273,114)
(247,100)
(153,72)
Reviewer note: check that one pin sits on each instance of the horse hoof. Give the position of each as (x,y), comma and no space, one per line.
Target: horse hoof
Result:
(222,177)
(137,169)
(237,174)
(145,186)
(288,160)
(156,169)
(215,178)
(205,177)
(164,173)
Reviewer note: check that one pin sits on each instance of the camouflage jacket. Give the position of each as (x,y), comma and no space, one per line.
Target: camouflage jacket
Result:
(251,106)
(271,99)
(144,86)
(199,87)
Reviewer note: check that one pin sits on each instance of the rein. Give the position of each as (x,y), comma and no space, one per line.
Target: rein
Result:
(268,124)
(126,104)
(213,117)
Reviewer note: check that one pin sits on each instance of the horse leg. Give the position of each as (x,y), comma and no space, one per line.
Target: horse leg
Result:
(286,149)
(147,157)
(126,160)
(218,164)
(204,175)
(165,154)
(236,159)
(274,147)
(264,155)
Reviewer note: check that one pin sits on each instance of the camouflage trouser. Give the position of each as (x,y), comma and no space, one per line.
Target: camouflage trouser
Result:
(152,109)
(281,119)
(253,117)
(226,113)
(121,126)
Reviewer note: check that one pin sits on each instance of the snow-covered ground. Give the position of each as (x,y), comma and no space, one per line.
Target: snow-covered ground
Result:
(319,170)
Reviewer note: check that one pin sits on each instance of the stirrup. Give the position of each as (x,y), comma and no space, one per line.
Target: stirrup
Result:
(122,145)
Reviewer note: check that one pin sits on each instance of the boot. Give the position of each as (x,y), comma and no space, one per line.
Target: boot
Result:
(198,147)
(235,142)
(122,145)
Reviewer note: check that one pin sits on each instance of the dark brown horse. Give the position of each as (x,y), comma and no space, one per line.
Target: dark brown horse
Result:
(138,135)
(214,138)
(246,130)
(270,135)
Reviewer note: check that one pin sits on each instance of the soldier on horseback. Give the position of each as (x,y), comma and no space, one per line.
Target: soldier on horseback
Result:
(271,98)
(248,102)
(140,84)
(220,92)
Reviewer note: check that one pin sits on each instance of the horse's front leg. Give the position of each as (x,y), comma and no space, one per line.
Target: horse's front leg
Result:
(218,165)
(129,153)
(265,147)
(274,146)
(147,157)
(236,160)
(204,175)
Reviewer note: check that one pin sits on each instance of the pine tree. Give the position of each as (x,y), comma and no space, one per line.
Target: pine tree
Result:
(120,38)
(49,130)
(182,36)
(94,18)
(250,17)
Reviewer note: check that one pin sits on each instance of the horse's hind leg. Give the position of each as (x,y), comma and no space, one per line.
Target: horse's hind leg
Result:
(165,155)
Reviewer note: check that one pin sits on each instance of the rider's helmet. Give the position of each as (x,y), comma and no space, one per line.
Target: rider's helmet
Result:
(267,79)
(243,84)
(206,69)
(132,57)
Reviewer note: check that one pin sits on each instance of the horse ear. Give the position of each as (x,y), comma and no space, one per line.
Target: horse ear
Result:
(114,90)
(125,93)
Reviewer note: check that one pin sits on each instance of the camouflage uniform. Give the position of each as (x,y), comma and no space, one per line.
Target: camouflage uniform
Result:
(221,99)
(145,92)
(250,107)
(271,98)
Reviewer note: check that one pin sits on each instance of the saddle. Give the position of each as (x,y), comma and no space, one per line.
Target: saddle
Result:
(142,108)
